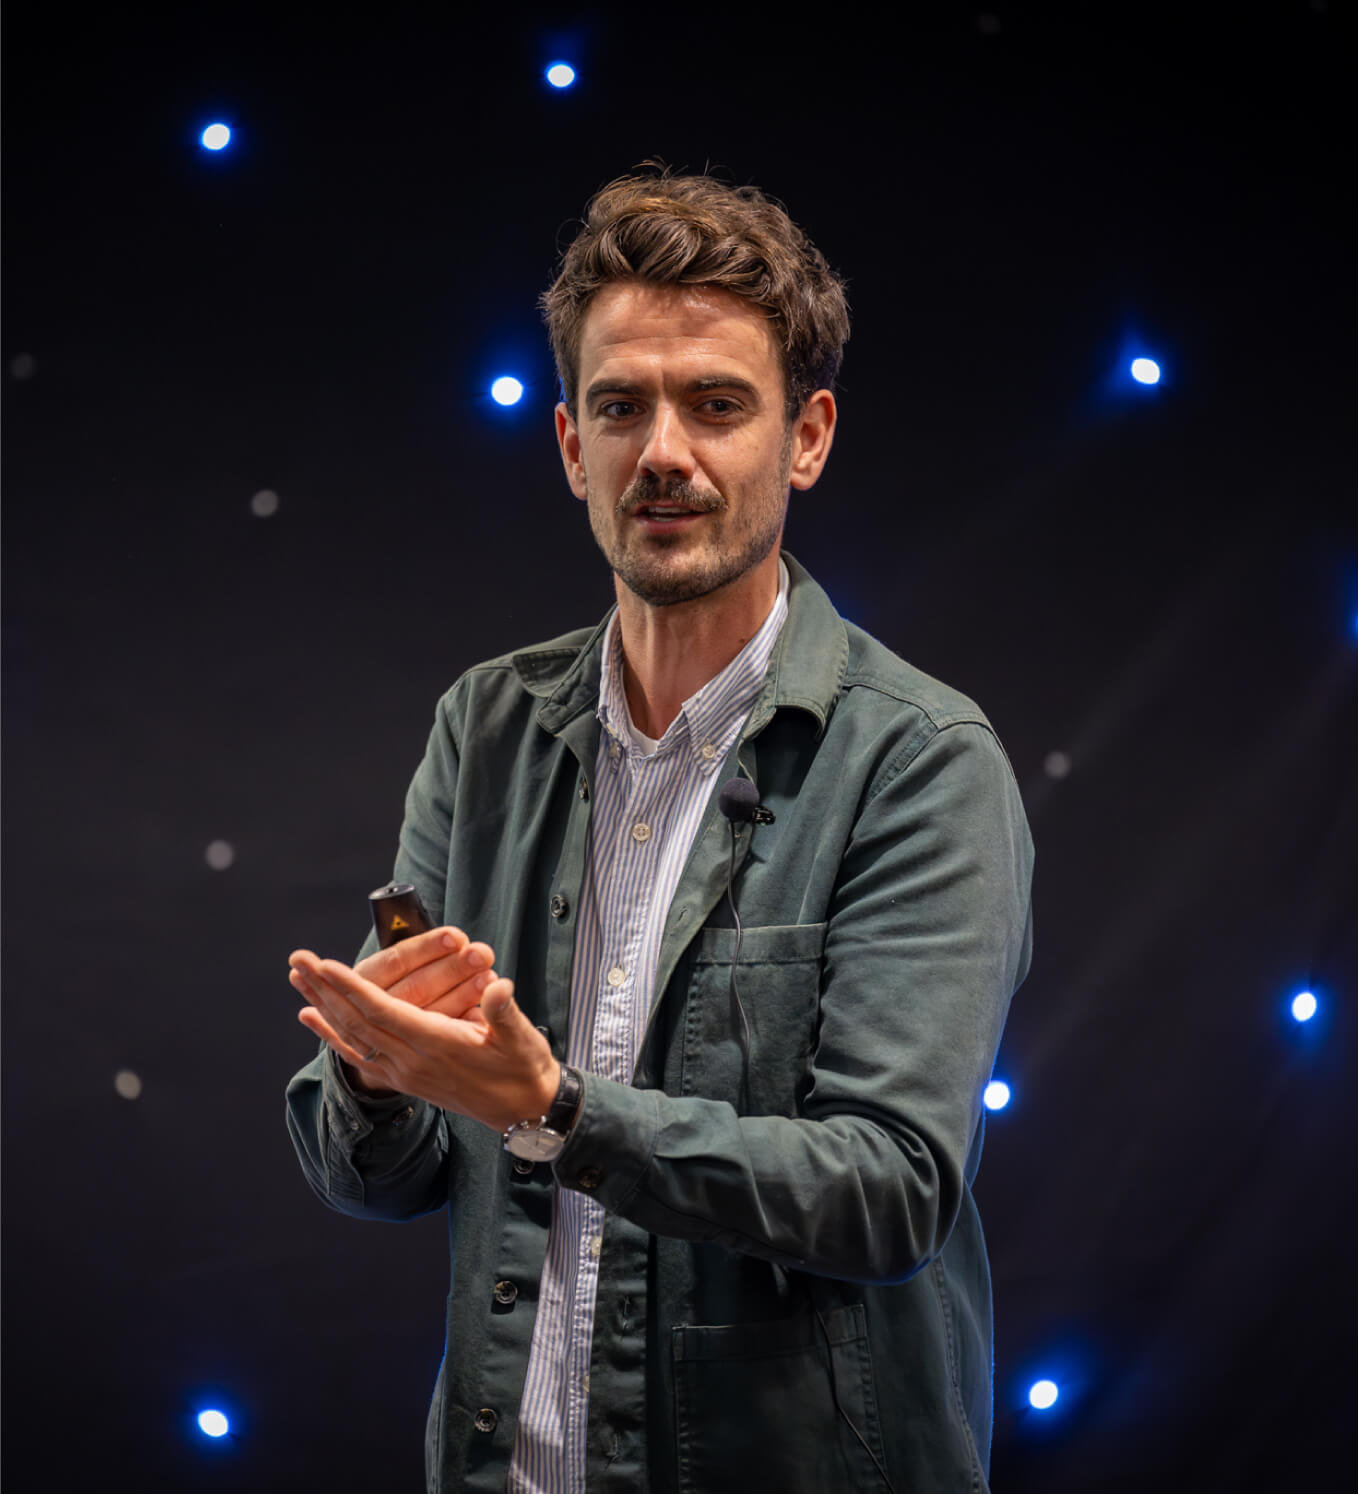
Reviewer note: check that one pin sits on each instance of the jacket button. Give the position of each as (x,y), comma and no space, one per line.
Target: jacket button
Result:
(486,1420)
(522,1166)
(589,1178)
(560,907)
(505,1293)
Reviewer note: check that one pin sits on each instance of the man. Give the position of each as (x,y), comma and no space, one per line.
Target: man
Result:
(709,1185)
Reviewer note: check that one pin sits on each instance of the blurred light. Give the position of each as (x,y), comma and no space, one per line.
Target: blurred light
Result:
(23,366)
(1303,1006)
(127,1084)
(1056,764)
(219,854)
(1145,370)
(216,136)
(506,391)
(213,1423)
(561,75)
(264,504)
(1042,1396)
(996,1095)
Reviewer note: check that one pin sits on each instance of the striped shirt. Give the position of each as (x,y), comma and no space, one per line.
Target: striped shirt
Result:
(648,800)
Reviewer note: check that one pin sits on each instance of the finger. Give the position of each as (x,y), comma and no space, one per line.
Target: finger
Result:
(312,1020)
(388,966)
(498,1006)
(344,1010)
(451,985)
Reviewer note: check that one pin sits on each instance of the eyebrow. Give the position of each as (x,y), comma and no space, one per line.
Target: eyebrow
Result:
(628,388)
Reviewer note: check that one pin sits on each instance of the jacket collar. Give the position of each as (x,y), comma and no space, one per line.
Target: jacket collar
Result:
(806,671)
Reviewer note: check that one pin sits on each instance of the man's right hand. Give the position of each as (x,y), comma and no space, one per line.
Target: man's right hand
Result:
(440,971)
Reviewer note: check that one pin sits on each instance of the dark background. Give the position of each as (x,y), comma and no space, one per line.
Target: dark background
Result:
(1162,585)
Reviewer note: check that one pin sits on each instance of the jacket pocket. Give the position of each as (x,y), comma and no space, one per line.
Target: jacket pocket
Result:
(778,986)
(755,1406)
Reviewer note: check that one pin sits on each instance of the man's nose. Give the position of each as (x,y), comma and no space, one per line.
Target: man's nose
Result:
(666,452)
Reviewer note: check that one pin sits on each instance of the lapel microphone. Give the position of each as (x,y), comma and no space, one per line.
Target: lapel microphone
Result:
(738,800)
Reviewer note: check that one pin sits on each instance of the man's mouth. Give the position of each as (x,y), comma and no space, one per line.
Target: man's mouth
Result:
(664,513)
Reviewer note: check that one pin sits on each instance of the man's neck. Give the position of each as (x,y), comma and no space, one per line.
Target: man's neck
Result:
(670,653)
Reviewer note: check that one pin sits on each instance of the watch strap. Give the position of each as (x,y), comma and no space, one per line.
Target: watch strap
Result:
(561,1112)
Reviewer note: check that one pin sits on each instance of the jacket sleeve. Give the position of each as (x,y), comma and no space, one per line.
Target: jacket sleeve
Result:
(927,936)
(381,1158)
(384,1158)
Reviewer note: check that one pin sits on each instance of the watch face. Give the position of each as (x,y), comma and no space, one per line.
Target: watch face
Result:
(536,1143)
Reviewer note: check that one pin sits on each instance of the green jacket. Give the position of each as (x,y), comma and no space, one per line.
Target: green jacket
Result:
(818,1241)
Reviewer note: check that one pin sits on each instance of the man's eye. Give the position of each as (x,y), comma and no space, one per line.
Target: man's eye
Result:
(720,406)
(617,409)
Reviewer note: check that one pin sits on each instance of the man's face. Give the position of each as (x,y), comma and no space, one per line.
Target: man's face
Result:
(681,446)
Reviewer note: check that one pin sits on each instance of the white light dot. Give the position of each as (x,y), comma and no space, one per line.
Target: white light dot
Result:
(23,366)
(264,505)
(216,136)
(561,75)
(506,391)
(1056,765)
(1043,1395)
(127,1084)
(996,1095)
(219,855)
(1145,370)
(1304,1006)
(213,1423)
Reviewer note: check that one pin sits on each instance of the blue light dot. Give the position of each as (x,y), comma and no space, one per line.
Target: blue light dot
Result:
(506,391)
(1145,370)
(1303,1006)
(996,1095)
(216,136)
(1042,1396)
(213,1423)
(561,75)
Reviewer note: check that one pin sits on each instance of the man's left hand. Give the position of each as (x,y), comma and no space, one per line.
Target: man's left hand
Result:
(492,1064)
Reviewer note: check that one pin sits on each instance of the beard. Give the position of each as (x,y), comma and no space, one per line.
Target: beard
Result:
(664,571)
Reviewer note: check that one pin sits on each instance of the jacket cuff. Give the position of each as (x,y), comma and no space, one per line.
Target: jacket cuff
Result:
(612,1142)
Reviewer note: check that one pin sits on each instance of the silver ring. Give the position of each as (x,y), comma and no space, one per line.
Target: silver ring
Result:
(370,1055)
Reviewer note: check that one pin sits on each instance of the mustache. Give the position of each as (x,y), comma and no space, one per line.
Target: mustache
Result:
(650,489)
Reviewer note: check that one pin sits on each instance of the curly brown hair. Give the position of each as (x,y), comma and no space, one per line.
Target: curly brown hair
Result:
(664,229)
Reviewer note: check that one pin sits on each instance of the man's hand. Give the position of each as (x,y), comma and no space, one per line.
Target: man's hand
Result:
(428,1035)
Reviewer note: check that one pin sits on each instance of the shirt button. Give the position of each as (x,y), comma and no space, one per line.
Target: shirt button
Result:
(486,1420)
(612,749)
(596,1244)
(589,1178)
(559,906)
(616,975)
(641,833)
(505,1293)
(584,788)
(707,751)
(584,1382)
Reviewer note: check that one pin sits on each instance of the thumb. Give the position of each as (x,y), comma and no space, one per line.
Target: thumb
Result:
(498,1006)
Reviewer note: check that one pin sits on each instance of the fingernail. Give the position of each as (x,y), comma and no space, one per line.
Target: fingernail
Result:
(484,979)
(477,959)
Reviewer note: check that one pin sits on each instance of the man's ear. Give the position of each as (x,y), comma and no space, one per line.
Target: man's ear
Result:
(568,439)
(813,434)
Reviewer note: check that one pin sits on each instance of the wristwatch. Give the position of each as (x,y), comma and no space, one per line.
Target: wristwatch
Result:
(541,1140)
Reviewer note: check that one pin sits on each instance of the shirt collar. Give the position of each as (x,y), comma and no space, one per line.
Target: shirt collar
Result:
(708,719)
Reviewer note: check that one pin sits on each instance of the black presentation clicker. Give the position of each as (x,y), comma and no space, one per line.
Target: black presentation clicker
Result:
(398,913)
